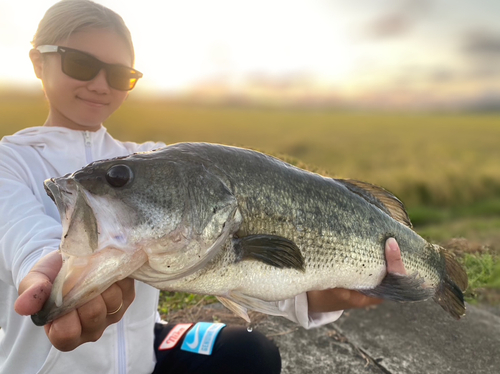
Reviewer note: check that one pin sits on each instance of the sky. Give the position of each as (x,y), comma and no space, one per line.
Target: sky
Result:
(395,51)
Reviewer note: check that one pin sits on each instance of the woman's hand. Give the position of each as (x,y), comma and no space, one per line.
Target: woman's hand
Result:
(339,298)
(85,324)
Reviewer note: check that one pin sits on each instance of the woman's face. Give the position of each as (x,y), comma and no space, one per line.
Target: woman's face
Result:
(83,105)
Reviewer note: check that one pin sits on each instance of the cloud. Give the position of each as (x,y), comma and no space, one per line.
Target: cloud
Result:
(482,44)
(389,26)
(484,102)
(398,22)
(442,75)
(482,51)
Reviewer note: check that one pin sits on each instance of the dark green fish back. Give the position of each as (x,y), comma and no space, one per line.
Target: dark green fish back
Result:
(331,221)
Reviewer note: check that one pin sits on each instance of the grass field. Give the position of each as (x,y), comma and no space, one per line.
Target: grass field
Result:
(444,167)
(439,160)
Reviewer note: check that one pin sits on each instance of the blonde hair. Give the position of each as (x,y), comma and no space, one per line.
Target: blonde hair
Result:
(69,16)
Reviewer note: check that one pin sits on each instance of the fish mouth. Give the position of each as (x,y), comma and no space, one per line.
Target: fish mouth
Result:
(89,266)
(49,185)
(82,278)
(55,191)
(80,232)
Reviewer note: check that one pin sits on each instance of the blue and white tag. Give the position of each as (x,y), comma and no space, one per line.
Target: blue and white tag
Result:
(201,338)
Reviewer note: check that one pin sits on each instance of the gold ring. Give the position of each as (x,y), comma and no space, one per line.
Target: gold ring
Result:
(116,311)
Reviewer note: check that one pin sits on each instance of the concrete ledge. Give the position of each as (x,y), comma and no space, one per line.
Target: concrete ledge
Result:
(391,338)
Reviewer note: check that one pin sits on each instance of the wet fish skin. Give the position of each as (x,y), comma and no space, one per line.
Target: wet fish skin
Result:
(344,250)
(252,229)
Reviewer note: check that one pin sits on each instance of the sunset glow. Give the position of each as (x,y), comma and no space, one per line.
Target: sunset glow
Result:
(420,49)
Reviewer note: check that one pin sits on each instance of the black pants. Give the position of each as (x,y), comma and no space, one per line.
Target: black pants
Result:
(235,351)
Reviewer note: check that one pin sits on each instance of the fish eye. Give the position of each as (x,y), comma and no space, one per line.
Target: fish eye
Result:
(119,175)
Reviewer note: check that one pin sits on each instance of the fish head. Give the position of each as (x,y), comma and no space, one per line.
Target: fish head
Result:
(146,209)
(124,203)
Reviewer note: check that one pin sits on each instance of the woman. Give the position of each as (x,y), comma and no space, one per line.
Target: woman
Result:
(84,55)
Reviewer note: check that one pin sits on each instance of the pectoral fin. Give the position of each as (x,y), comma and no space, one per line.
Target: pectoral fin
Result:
(270,249)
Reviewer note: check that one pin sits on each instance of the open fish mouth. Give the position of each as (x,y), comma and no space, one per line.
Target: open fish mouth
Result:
(79,223)
(89,267)
(83,278)
(49,185)
(56,191)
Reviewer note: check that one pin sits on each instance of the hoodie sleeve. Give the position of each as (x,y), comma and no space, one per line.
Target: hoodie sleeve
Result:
(26,232)
(296,310)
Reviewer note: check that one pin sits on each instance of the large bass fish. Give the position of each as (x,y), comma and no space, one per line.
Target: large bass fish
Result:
(240,225)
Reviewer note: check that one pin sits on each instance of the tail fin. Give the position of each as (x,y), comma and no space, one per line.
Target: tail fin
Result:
(449,293)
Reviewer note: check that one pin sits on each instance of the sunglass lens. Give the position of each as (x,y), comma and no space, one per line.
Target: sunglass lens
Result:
(121,78)
(80,65)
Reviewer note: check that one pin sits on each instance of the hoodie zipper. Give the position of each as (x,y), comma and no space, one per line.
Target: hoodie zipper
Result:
(122,357)
(88,147)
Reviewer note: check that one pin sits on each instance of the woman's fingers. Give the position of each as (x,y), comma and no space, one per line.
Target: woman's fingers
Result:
(393,257)
(93,319)
(88,322)
(35,288)
(127,286)
(339,298)
(114,302)
(65,332)
(85,324)
(334,299)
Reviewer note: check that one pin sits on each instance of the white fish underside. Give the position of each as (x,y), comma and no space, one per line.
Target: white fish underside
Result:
(256,279)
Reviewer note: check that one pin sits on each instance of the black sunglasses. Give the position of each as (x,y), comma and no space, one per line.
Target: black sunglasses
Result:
(84,67)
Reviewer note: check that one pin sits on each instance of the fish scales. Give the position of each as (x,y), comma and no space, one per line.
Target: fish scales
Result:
(238,224)
(338,236)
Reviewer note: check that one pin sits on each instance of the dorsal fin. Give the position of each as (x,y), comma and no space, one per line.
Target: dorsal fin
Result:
(379,197)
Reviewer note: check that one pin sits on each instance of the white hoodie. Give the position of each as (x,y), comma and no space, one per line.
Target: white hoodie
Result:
(30,228)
